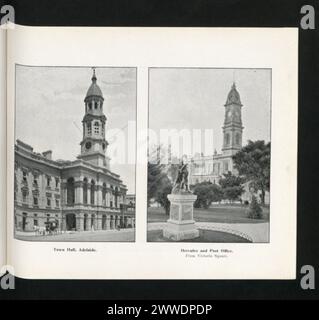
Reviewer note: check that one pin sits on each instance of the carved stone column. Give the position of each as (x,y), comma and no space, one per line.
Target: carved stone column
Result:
(95,195)
(107,222)
(95,222)
(79,222)
(88,222)
(99,200)
(79,192)
(99,221)
(63,193)
(63,223)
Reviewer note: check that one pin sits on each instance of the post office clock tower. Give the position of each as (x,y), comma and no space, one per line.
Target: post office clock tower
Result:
(233,128)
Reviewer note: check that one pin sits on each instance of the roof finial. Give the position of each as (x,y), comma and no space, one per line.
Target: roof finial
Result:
(234,80)
(94,76)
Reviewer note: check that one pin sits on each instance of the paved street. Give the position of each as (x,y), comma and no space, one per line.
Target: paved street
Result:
(125,235)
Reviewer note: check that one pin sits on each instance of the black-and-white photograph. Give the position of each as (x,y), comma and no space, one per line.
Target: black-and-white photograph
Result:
(209,155)
(75,141)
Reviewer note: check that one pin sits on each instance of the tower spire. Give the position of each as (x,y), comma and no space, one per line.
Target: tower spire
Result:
(232,128)
(93,144)
(233,96)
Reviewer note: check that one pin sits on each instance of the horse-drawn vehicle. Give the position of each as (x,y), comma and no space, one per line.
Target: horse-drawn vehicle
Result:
(50,227)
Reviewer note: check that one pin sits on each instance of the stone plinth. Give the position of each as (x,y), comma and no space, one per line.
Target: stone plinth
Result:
(181,225)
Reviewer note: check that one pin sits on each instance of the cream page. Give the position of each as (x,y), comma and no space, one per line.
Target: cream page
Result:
(144,48)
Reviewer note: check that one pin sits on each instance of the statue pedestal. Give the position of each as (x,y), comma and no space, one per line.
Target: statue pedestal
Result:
(181,225)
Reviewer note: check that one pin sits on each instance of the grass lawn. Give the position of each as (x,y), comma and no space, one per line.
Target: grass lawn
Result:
(204,236)
(222,213)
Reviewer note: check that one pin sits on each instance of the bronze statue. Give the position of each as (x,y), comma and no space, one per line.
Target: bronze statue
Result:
(181,182)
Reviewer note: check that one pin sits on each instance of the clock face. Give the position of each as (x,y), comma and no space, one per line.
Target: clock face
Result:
(229,114)
(88,145)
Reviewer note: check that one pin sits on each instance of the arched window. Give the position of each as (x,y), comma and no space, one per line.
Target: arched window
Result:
(226,168)
(237,138)
(92,191)
(96,128)
(111,196)
(116,197)
(227,139)
(24,176)
(70,191)
(24,220)
(85,190)
(89,128)
(24,195)
(90,105)
(104,194)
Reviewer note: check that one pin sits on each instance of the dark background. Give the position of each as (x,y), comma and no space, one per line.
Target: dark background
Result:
(200,13)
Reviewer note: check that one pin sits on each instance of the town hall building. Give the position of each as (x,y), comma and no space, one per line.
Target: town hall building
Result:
(80,195)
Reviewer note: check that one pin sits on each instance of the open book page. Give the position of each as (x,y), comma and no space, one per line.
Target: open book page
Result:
(3,124)
(99,184)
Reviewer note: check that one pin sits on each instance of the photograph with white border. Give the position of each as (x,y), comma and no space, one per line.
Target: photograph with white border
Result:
(196,193)
(63,191)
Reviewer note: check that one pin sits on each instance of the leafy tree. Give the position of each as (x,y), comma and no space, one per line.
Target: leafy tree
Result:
(154,177)
(253,163)
(254,211)
(231,186)
(158,185)
(206,194)
(161,196)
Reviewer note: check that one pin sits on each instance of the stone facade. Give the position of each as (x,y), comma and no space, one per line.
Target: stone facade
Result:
(79,195)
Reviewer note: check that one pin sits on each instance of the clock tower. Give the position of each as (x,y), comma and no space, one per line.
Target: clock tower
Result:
(93,144)
(233,128)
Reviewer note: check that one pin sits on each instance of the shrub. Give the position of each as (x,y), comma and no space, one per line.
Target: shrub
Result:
(206,194)
(255,210)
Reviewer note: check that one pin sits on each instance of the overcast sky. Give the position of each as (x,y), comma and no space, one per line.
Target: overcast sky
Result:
(50,108)
(195,98)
